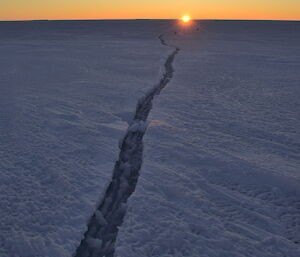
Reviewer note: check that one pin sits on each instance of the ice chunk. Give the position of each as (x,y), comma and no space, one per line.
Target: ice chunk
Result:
(94,243)
(101,220)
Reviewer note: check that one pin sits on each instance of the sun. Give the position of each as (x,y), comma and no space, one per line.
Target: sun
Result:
(185,18)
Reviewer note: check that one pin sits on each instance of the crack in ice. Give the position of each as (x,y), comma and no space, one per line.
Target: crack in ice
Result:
(100,237)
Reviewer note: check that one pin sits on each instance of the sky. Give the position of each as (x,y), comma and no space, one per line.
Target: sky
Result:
(149,9)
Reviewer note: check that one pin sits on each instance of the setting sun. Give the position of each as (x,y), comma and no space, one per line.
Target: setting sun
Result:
(186,18)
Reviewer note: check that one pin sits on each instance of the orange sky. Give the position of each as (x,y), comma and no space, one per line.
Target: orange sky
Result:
(157,9)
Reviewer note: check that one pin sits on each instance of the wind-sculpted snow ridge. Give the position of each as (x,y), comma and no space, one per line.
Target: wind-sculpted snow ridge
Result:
(102,231)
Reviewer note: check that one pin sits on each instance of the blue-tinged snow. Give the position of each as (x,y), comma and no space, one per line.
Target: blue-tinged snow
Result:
(67,91)
(220,173)
(221,170)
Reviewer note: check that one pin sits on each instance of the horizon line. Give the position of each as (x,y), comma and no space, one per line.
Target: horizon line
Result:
(144,19)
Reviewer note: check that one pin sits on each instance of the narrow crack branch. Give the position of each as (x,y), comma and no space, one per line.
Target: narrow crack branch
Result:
(100,237)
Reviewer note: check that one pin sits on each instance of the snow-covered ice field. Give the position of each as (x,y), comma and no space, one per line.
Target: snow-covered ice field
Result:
(68,90)
(221,169)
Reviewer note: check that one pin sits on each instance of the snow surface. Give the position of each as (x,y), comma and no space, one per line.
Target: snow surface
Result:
(221,173)
(68,91)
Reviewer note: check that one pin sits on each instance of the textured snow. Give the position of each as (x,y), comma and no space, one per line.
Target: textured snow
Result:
(68,90)
(221,175)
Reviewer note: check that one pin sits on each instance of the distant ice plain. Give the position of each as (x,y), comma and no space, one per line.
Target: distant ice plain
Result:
(221,166)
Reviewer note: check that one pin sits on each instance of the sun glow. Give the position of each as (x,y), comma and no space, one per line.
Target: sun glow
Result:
(186,18)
